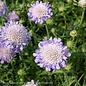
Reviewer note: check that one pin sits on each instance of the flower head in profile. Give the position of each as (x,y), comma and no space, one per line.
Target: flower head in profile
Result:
(6,51)
(82,3)
(40,12)
(51,54)
(12,16)
(3,8)
(15,33)
(30,83)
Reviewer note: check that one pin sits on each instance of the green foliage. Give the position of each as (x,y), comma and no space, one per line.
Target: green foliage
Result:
(67,16)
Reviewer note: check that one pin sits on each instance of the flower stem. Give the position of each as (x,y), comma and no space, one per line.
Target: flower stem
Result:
(66,77)
(54,35)
(65,21)
(47,31)
(79,80)
(82,17)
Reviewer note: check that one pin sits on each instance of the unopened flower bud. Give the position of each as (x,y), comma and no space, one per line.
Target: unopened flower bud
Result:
(21,79)
(18,12)
(61,8)
(69,1)
(21,21)
(53,30)
(49,21)
(21,5)
(68,67)
(84,47)
(28,5)
(45,37)
(73,33)
(21,72)
(69,43)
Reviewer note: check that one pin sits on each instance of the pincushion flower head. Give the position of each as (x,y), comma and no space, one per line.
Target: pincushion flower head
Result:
(30,83)
(82,3)
(40,12)
(12,16)
(51,54)
(3,8)
(6,51)
(15,33)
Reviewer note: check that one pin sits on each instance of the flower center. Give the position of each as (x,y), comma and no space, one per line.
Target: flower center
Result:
(51,53)
(39,10)
(16,34)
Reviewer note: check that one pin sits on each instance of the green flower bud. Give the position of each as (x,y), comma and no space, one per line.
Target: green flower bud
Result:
(53,30)
(21,21)
(61,8)
(10,81)
(21,80)
(73,33)
(69,43)
(18,12)
(45,37)
(53,6)
(21,6)
(68,67)
(21,72)
(40,25)
(69,1)
(49,21)
(84,47)
(26,53)
(28,5)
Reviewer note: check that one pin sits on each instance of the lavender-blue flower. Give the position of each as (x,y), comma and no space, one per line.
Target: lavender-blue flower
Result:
(40,12)
(3,8)
(51,54)
(6,51)
(15,33)
(12,16)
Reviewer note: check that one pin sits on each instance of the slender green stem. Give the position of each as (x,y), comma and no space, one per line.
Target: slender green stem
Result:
(24,3)
(54,35)
(37,30)
(65,21)
(72,82)
(82,17)
(73,38)
(66,77)
(16,2)
(47,31)
(79,80)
